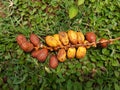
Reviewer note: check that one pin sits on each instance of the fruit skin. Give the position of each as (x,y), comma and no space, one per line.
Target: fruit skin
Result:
(21,39)
(80,37)
(81,52)
(64,38)
(43,53)
(72,35)
(61,55)
(91,37)
(27,46)
(53,62)
(71,53)
(51,41)
(56,36)
(35,53)
(34,40)
(105,44)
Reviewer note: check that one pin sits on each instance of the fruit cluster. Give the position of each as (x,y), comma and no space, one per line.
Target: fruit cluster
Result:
(69,44)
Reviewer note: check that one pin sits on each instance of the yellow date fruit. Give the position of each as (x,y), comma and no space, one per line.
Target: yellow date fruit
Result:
(51,41)
(80,37)
(72,36)
(71,53)
(61,55)
(64,38)
(56,36)
(81,52)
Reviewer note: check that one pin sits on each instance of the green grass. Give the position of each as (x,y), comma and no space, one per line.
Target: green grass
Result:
(99,70)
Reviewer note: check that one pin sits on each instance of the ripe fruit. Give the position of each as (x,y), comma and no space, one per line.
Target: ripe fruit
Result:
(43,53)
(91,37)
(104,44)
(64,38)
(56,36)
(80,37)
(21,39)
(51,41)
(81,52)
(53,62)
(27,46)
(72,36)
(61,55)
(35,53)
(34,40)
(71,53)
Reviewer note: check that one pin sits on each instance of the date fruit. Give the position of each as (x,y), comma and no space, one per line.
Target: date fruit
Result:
(80,38)
(21,39)
(34,40)
(56,36)
(72,35)
(53,62)
(61,55)
(91,37)
(81,52)
(43,53)
(64,38)
(51,41)
(27,46)
(71,53)
(35,53)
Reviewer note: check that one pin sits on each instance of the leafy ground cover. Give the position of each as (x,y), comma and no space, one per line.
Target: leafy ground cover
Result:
(99,70)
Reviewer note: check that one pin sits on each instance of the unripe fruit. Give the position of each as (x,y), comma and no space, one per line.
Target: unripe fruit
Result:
(81,52)
(61,55)
(105,44)
(34,40)
(71,53)
(51,41)
(21,39)
(72,35)
(80,37)
(53,62)
(64,38)
(91,37)
(35,53)
(56,36)
(27,46)
(43,53)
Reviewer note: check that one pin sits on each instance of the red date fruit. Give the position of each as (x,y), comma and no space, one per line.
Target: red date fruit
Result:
(27,46)
(21,39)
(43,53)
(91,37)
(53,62)
(34,40)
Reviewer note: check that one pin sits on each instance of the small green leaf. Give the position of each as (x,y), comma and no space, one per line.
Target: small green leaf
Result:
(92,0)
(115,63)
(73,11)
(80,2)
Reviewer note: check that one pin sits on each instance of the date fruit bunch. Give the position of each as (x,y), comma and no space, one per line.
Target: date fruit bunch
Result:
(63,41)
(70,44)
